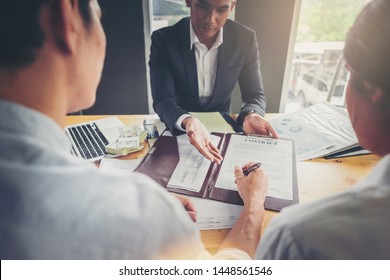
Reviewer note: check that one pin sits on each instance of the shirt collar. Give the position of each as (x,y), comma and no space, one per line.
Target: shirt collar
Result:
(194,39)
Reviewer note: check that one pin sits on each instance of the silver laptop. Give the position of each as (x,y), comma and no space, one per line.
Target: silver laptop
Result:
(89,139)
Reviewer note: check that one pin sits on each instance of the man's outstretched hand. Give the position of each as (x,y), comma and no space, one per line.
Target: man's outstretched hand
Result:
(199,137)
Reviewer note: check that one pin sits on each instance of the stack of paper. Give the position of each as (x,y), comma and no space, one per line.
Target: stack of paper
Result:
(130,140)
(318,131)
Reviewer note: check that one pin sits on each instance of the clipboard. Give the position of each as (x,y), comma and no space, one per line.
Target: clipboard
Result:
(162,159)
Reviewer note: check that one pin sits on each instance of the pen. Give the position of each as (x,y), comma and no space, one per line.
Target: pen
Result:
(251,168)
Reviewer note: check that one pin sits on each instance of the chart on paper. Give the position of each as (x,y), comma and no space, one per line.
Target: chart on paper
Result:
(192,168)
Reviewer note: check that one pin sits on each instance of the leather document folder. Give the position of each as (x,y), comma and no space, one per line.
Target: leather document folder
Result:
(217,182)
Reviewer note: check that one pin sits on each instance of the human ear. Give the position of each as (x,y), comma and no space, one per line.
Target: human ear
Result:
(373,93)
(188,3)
(378,96)
(65,20)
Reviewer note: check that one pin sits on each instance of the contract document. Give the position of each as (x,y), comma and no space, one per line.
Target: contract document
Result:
(274,155)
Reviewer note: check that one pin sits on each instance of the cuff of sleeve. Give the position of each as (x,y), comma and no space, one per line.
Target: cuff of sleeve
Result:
(180,120)
(231,254)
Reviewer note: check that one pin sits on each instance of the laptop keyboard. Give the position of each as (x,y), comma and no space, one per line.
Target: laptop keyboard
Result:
(89,140)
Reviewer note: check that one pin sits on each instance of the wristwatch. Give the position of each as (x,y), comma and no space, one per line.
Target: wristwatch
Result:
(251,112)
(241,117)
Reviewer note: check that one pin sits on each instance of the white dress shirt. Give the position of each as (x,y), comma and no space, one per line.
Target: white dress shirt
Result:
(206,65)
(56,206)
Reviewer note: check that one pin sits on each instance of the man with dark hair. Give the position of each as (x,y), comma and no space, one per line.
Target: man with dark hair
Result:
(56,206)
(354,224)
(194,66)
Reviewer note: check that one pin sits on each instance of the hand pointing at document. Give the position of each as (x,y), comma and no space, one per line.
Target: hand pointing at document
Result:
(199,137)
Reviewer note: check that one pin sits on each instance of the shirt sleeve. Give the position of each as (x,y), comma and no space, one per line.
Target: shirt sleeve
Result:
(180,120)
(225,254)
(278,243)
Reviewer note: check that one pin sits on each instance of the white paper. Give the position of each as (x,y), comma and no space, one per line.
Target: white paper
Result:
(307,140)
(213,214)
(111,166)
(331,122)
(275,155)
(317,131)
(192,168)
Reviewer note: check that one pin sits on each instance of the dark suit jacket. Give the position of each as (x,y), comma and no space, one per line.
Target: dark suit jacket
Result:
(174,76)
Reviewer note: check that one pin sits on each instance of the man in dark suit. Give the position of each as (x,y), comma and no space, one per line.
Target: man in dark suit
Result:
(194,66)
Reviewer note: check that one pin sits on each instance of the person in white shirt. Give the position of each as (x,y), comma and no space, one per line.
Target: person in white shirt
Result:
(56,206)
(354,224)
(194,67)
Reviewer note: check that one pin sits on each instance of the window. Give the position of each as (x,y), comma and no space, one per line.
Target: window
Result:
(167,12)
(317,58)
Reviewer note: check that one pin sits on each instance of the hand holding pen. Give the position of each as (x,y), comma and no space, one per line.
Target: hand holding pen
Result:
(251,168)
(252,189)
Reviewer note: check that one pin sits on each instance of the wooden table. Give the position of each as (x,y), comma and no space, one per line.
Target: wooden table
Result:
(317,178)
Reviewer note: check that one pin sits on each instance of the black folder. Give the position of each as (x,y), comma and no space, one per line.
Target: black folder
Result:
(161,160)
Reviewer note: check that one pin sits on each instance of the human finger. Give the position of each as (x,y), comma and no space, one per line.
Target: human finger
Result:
(215,152)
(238,173)
(272,131)
(200,147)
(247,165)
(190,208)
(188,205)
